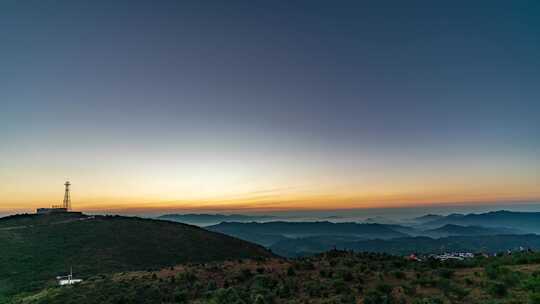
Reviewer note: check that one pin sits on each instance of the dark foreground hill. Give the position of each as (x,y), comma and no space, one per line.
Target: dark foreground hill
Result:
(37,248)
(335,277)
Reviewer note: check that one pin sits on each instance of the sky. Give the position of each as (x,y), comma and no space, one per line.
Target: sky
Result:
(268,105)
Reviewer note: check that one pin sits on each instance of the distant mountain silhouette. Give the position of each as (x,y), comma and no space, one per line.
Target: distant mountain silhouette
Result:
(523,221)
(212,219)
(427,218)
(293,238)
(271,232)
(404,246)
(307,246)
(311,234)
(380,220)
(452,229)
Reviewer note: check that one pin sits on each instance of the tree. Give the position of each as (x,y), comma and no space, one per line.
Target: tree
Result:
(498,289)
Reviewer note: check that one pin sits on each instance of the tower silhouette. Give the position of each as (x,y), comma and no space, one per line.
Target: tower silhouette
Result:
(67,198)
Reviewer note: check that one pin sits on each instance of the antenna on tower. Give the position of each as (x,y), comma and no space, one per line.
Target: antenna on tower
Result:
(67,197)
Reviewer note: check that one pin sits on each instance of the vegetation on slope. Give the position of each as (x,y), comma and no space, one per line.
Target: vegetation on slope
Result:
(333,277)
(37,248)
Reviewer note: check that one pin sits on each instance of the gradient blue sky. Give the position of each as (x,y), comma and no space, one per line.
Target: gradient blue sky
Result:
(269,104)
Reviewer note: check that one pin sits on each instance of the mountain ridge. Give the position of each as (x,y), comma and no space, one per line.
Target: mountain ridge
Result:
(524,221)
(453,229)
(408,245)
(206,219)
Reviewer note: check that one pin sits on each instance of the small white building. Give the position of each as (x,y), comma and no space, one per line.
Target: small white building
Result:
(67,280)
(454,256)
(63,282)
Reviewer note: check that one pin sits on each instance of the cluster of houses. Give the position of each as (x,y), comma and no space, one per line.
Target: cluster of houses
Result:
(460,256)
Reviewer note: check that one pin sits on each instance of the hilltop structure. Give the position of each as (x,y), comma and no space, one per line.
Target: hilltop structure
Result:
(65,207)
(68,280)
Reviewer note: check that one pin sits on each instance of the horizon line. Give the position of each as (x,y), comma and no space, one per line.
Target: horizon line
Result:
(255,210)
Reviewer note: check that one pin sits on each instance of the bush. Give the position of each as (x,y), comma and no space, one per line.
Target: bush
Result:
(263,282)
(409,290)
(498,289)
(314,289)
(347,299)
(211,285)
(428,301)
(492,271)
(346,275)
(244,275)
(187,278)
(451,289)
(384,288)
(445,273)
(226,296)
(340,287)
(180,296)
(511,278)
(400,275)
(376,297)
(532,284)
(534,298)
(284,291)
(495,272)
(260,299)
(426,282)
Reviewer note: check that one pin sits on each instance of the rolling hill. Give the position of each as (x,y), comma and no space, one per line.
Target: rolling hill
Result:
(404,246)
(271,232)
(408,245)
(427,218)
(37,248)
(451,229)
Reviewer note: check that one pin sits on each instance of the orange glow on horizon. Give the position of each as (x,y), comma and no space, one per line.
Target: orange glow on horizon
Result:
(267,192)
(270,201)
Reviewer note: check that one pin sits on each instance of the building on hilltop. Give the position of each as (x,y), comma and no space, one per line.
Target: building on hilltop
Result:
(53,209)
(65,207)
